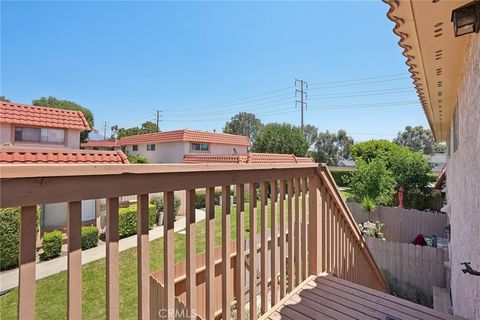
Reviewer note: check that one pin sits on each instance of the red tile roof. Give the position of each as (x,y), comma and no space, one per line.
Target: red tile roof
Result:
(28,115)
(246,158)
(187,136)
(20,155)
(100,143)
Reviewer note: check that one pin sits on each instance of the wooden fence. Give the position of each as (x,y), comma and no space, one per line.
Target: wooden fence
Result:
(410,265)
(403,225)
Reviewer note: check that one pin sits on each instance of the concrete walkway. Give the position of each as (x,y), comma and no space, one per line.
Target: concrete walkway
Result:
(9,279)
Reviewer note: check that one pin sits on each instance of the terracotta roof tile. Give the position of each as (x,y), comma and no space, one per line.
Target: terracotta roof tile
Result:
(29,115)
(243,158)
(20,155)
(187,136)
(100,143)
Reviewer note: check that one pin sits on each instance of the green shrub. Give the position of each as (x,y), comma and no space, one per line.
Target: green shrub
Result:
(52,245)
(127,220)
(342,177)
(89,237)
(371,229)
(158,203)
(10,237)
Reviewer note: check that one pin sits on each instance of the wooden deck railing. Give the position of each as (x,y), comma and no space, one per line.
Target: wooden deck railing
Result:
(311,231)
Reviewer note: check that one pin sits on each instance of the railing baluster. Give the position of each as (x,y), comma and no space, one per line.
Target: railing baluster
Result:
(26,272)
(169,254)
(304,229)
(226,238)
(315,228)
(74,284)
(240,259)
(191,254)
(273,236)
(264,248)
(283,232)
(291,236)
(297,238)
(328,241)
(252,197)
(324,205)
(112,260)
(210,252)
(143,257)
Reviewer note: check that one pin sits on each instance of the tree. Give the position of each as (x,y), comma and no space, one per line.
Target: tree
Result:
(439,148)
(331,147)
(281,138)
(136,158)
(244,124)
(372,180)
(409,170)
(416,139)
(311,134)
(146,127)
(2,98)
(52,102)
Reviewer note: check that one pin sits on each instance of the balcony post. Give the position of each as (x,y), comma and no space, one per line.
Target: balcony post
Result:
(315,226)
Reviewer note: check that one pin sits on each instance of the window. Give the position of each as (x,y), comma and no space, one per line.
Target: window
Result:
(135,147)
(200,146)
(47,135)
(150,147)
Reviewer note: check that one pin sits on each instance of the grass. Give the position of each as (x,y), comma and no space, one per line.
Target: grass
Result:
(51,292)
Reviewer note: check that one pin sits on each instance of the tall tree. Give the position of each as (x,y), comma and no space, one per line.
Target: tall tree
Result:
(281,138)
(311,134)
(3,98)
(416,139)
(244,124)
(52,102)
(146,127)
(332,147)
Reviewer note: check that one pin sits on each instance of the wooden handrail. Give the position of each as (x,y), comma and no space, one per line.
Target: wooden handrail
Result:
(325,232)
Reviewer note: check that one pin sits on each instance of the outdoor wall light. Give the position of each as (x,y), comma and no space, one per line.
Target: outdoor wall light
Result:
(466,19)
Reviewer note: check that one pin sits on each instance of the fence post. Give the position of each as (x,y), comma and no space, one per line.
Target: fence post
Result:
(315,226)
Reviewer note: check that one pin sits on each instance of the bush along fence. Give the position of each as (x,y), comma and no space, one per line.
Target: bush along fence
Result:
(411,270)
(403,225)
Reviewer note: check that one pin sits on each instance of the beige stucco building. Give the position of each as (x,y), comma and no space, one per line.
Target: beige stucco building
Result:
(172,146)
(446,72)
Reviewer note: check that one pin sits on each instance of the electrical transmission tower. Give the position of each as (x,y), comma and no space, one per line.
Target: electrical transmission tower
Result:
(302,94)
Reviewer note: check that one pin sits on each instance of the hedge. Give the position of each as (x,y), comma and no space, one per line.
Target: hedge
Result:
(341,176)
(52,245)
(10,237)
(158,203)
(89,237)
(127,220)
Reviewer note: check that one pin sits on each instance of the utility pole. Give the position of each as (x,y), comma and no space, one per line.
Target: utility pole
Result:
(105,130)
(158,120)
(303,97)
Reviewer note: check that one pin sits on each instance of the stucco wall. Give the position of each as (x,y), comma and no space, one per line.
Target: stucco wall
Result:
(5,133)
(173,152)
(463,184)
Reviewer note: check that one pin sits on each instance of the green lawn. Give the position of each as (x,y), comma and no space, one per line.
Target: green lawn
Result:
(51,297)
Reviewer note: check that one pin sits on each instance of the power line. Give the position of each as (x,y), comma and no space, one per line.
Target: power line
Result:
(361,79)
(357,84)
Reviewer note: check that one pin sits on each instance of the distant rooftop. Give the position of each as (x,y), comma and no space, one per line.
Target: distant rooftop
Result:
(28,115)
(100,143)
(186,135)
(244,158)
(26,155)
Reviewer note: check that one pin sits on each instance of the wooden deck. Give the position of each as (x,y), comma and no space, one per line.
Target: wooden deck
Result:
(328,297)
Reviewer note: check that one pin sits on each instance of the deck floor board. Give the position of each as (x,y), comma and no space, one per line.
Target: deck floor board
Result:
(328,297)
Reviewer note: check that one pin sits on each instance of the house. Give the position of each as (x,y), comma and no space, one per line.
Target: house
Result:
(100,145)
(346,163)
(437,161)
(40,135)
(441,42)
(172,146)
(31,126)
